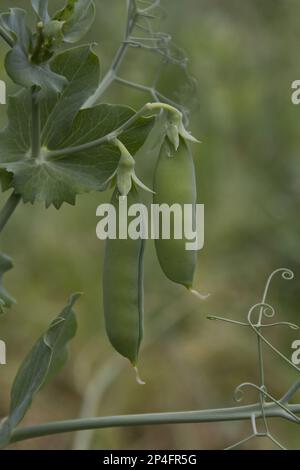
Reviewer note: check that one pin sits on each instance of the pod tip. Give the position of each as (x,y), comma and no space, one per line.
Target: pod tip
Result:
(198,294)
(137,377)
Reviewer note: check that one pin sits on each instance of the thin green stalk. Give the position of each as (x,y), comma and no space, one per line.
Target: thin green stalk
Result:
(134,85)
(118,59)
(260,352)
(8,209)
(260,346)
(105,83)
(261,376)
(203,416)
(291,392)
(152,91)
(35,125)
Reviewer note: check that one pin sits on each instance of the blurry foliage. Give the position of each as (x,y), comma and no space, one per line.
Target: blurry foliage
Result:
(244,56)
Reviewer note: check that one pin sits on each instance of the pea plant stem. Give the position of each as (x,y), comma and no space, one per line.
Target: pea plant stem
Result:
(110,76)
(260,355)
(8,209)
(291,392)
(35,125)
(238,413)
(134,85)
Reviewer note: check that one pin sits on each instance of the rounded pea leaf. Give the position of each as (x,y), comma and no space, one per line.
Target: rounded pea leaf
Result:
(14,22)
(41,9)
(25,73)
(78,16)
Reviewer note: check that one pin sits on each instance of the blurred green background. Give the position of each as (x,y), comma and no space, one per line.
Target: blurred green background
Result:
(244,56)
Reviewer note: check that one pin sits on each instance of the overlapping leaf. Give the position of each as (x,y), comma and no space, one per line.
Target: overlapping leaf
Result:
(21,69)
(27,74)
(63,124)
(41,9)
(78,16)
(75,18)
(14,22)
(43,361)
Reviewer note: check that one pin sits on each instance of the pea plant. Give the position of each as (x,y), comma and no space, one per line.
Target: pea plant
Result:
(60,141)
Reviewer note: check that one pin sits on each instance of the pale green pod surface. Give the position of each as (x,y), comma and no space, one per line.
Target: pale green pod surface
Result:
(175,183)
(123,288)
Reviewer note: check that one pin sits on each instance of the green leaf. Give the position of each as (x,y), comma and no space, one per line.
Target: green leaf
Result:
(6,300)
(41,9)
(80,66)
(18,65)
(59,179)
(14,23)
(43,361)
(78,16)
(25,73)
(5,179)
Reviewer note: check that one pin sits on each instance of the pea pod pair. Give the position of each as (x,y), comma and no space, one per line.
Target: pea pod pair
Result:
(174,183)
(123,288)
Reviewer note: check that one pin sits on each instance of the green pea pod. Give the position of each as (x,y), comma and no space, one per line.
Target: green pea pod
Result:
(175,183)
(123,288)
